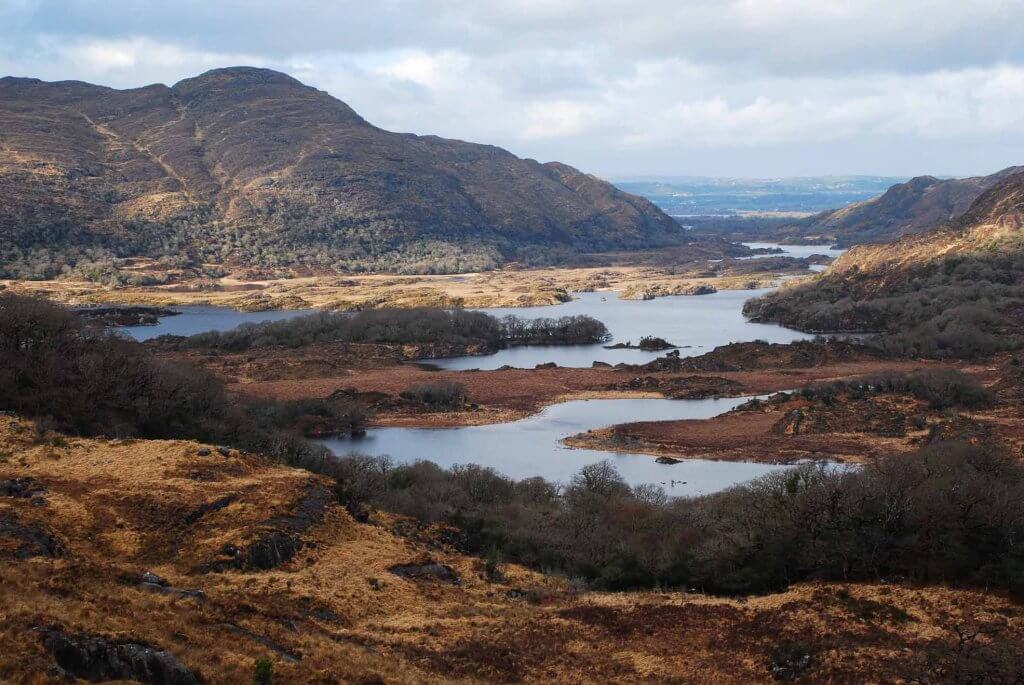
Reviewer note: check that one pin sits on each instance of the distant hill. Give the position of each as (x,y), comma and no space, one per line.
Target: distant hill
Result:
(956,290)
(249,166)
(696,196)
(912,207)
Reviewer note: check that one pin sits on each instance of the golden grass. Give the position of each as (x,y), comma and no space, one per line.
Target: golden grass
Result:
(119,508)
(501,288)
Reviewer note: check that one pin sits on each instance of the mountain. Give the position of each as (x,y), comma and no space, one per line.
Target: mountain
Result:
(956,290)
(250,166)
(912,207)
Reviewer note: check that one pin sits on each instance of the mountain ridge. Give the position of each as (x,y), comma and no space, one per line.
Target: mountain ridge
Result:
(905,208)
(956,290)
(249,166)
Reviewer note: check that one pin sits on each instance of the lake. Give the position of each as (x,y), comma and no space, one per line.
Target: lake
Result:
(698,323)
(198,319)
(532,446)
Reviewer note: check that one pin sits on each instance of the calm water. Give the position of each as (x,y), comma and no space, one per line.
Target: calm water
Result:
(798,251)
(194,320)
(697,323)
(531,446)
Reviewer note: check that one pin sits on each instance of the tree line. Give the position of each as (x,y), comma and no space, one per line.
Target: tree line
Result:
(400,326)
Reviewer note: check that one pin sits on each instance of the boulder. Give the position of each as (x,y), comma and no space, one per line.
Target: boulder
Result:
(97,659)
(426,569)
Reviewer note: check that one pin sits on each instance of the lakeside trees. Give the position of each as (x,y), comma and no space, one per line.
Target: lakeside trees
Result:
(951,513)
(81,379)
(400,326)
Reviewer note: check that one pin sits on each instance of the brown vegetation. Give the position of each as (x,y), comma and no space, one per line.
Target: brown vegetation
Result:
(188,173)
(141,521)
(506,394)
(507,287)
(855,419)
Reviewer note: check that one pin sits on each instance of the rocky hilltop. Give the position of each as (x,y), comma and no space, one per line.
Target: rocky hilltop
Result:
(955,290)
(906,208)
(250,166)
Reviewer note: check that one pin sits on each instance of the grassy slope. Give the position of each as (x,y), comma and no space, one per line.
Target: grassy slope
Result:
(120,508)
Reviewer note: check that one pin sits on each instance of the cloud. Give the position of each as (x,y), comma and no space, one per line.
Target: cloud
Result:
(677,86)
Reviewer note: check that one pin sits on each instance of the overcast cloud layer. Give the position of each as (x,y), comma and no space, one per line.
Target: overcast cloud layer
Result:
(681,87)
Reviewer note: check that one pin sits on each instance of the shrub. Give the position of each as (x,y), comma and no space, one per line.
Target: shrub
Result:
(949,513)
(263,671)
(940,388)
(81,379)
(438,395)
(963,306)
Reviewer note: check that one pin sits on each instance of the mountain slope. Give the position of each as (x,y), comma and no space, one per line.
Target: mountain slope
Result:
(912,207)
(957,290)
(249,166)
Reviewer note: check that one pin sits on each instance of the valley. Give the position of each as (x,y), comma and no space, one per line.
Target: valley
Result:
(286,397)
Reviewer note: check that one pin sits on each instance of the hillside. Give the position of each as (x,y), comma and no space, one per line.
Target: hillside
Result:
(957,290)
(906,208)
(161,561)
(248,166)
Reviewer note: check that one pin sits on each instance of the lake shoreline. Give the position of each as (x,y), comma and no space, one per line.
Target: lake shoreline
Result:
(694,270)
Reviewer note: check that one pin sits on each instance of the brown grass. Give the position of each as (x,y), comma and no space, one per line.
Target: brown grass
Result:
(501,288)
(121,508)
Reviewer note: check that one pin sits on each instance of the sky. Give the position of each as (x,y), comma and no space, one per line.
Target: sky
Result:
(747,88)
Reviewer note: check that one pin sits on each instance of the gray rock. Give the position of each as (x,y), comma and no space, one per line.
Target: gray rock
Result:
(150,577)
(426,570)
(95,658)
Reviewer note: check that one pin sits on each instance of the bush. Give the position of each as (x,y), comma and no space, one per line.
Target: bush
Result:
(949,513)
(263,671)
(438,395)
(957,307)
(84,380)
(940,388)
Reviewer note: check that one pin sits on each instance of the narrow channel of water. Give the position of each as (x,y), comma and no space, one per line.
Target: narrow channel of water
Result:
(532,446)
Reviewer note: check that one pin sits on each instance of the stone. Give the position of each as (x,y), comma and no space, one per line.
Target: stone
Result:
(97,659)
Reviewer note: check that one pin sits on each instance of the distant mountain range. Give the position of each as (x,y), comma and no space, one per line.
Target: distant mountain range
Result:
(917,205)
(249,166)
(954,290)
